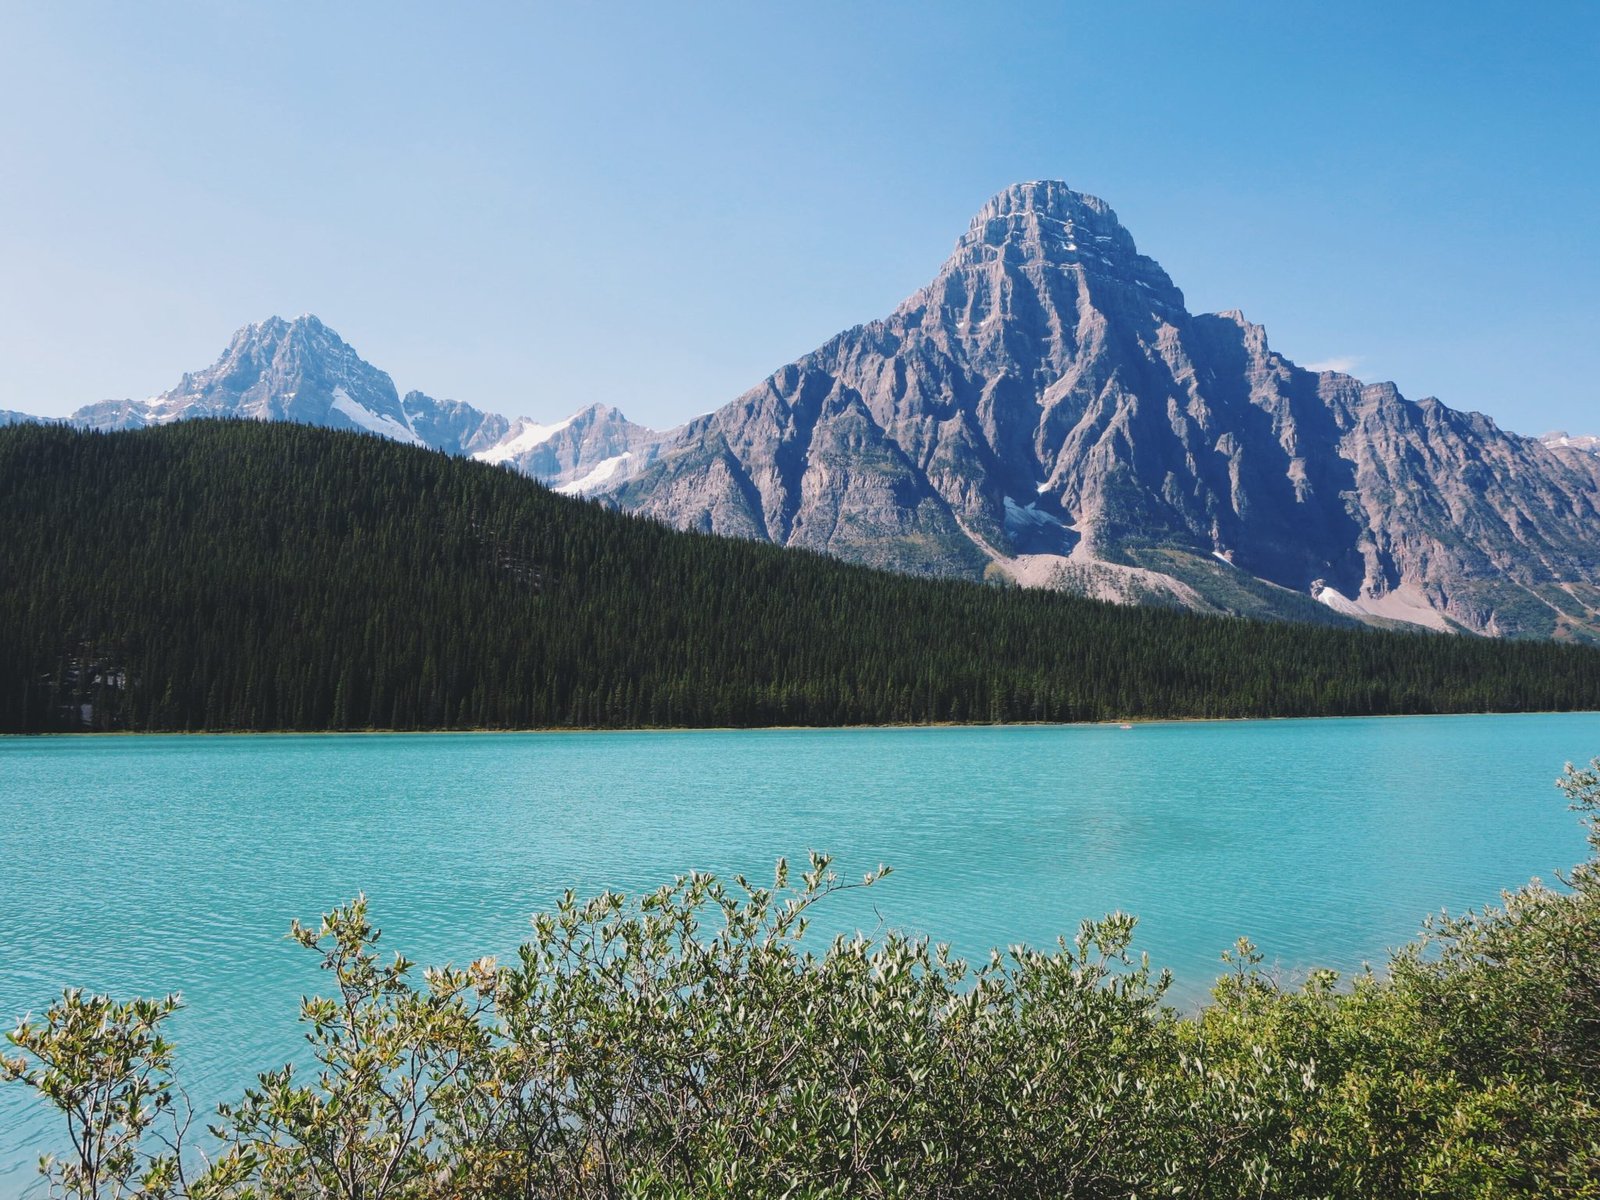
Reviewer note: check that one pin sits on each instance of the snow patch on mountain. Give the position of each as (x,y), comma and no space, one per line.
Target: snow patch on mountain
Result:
(524,436)
(371,421)
(1027,516)
(1406,604)
(1336,600)
(602,474)
(1585,442)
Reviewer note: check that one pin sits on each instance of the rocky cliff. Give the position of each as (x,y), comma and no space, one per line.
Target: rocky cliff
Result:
(1047,411)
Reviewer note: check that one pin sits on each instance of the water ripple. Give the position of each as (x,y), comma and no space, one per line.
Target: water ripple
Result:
(156,864)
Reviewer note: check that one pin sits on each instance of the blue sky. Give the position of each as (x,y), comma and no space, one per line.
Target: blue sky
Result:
(535,207)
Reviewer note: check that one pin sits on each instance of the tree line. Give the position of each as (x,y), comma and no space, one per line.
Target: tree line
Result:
(221,575)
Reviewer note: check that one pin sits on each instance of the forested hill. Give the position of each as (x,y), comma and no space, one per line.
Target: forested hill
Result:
(235,575)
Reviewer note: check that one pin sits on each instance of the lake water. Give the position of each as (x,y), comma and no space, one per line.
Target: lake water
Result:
(156,864)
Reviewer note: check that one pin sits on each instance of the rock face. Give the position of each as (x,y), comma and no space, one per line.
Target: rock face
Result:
(1047,410)
(302,371)
(451,425)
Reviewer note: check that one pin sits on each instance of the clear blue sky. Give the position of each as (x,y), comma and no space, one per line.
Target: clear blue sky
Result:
(654,205)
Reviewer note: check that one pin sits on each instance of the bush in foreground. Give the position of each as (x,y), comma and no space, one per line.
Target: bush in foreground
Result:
(688,1044)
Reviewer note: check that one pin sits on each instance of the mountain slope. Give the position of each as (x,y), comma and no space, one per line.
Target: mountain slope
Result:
(234,574)
(1047,409)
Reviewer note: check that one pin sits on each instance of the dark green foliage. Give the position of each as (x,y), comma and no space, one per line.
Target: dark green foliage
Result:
(233,575)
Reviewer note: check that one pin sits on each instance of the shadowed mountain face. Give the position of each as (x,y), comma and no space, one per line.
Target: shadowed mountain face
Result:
(1047,410)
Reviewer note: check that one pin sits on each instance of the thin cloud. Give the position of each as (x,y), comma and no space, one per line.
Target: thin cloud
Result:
(1344,363)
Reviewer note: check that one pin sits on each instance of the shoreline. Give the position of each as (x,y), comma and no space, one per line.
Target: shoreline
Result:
(1118,723)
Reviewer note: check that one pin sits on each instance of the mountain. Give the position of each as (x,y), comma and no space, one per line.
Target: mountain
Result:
(452,425)
(304,372)
(1047,411)
(282,576)
(276,370)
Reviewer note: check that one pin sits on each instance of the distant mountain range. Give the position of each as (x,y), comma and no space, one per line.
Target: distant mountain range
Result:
(302,371)
(1045,412)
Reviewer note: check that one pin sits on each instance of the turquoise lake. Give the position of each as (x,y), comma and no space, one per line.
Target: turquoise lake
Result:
(157,864)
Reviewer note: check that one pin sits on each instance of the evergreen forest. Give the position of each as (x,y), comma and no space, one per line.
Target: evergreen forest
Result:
(226,575)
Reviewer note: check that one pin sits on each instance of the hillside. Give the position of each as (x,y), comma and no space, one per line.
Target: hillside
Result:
(215,575)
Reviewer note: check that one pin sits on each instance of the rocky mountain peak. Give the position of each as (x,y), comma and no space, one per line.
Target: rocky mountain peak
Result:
(1044,216)
(299,343)
(1047,411)
(1044,226)
(299,370)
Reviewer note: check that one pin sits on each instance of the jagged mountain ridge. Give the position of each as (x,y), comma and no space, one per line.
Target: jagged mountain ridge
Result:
(1047,410)
(302,371)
